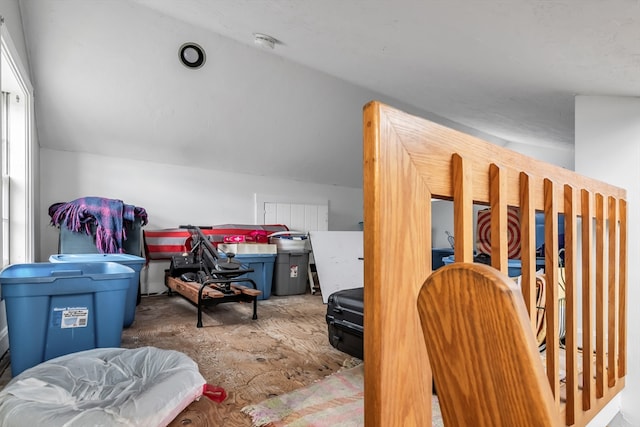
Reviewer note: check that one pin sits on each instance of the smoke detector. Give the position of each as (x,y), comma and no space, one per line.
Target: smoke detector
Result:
(264,41)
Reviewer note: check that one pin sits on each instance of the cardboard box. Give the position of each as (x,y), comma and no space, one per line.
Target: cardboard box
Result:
(248,248)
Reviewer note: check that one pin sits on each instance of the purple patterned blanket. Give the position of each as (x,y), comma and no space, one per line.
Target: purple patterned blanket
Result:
(107,214)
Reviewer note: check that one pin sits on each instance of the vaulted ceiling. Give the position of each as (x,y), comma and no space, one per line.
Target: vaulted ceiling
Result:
(507,68)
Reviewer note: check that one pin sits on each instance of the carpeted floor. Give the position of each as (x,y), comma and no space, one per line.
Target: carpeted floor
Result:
(336,400)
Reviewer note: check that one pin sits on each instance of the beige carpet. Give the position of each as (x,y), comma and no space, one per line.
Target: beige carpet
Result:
(337,400)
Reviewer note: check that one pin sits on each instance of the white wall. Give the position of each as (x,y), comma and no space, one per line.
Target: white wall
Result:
(175,195)
(441,222)
(606,148)
(559,156)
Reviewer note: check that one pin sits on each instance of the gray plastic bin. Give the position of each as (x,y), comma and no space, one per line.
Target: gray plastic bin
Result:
(291,272)
(71,242)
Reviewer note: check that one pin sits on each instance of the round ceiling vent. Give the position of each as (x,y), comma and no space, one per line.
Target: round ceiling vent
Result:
(192,55)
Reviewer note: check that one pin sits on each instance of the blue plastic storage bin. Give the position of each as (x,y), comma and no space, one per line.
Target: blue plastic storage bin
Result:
(540,230)
(514,265)
(262,265)
(55,309)
(135,262)
(437,255)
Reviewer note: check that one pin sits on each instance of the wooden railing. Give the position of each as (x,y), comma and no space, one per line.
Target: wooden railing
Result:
(408,162)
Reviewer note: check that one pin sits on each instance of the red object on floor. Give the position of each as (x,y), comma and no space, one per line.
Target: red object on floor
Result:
(214,393)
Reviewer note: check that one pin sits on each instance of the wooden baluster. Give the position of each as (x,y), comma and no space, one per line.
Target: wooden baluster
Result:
(571,299)
(551,277)
(528,247)
(498,203)
(462,185)
(622,292)
(612,293)
(600,295)
(587,301)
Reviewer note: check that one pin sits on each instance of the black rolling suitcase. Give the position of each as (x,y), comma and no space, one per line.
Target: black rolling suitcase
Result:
(345,319)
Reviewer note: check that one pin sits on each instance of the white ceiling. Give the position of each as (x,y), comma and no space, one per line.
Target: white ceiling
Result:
(509,68)
(106,73)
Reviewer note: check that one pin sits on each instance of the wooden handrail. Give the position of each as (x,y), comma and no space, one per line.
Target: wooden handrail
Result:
(408,161)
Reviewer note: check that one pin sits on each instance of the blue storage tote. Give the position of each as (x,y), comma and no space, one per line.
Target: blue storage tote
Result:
(262,265)
(514,266)
(135,262)
(55,309)
(437,255)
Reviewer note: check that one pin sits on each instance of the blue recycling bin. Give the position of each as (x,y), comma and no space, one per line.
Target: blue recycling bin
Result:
(514,266)
(262,274)
(55,309)
(135,262)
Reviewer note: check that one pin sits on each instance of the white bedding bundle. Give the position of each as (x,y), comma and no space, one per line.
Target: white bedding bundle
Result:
(103,387)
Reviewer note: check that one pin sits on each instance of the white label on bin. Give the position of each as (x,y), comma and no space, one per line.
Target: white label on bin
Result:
(293,271)
(75,318)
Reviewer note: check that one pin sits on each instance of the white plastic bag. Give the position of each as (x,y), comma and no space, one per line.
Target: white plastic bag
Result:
(103,387)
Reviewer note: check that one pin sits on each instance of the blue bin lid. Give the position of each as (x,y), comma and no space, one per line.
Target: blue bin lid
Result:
(448,259)
(46,278)
(512,263)
(132,261)
(45,272)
